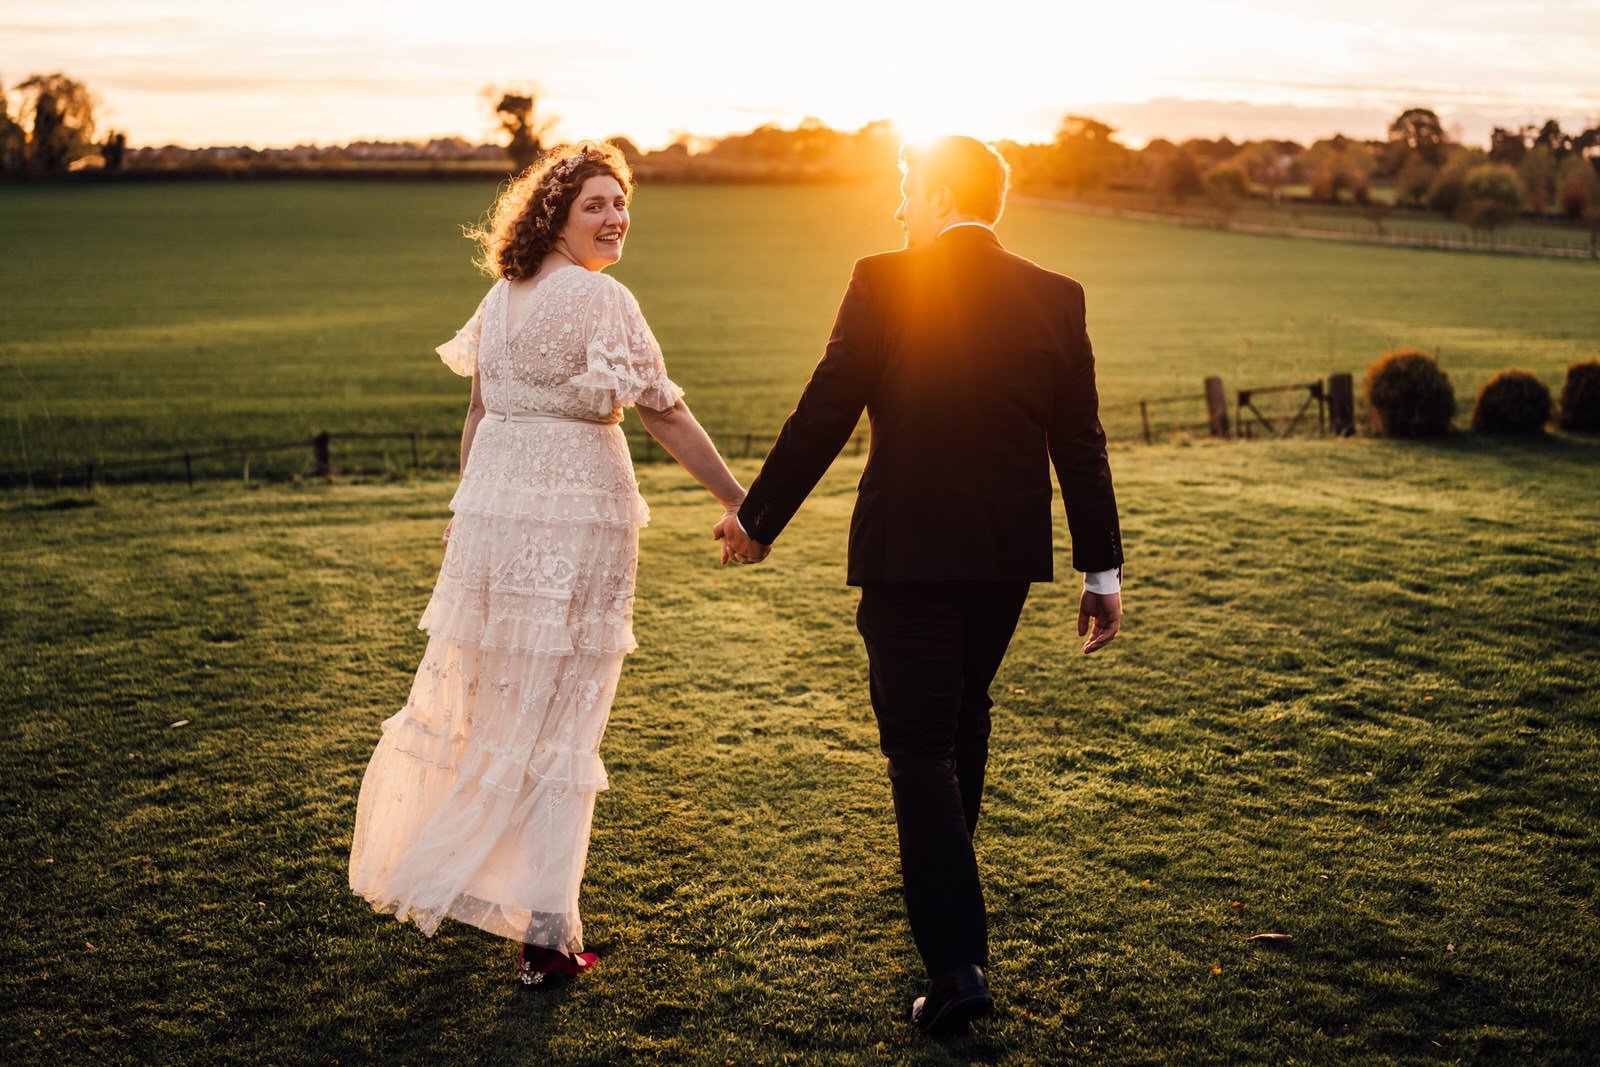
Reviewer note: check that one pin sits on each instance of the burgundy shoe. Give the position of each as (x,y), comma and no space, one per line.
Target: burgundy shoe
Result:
(540,966)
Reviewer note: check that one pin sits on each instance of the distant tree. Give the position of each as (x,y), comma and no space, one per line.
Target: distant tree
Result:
(1180,176)
(1269,163)
(1538,173)
(1491,196)
(1551,137)
(516,112)
(876,146)
(1411,185)
(1392,157)
(1446,194)
(1087,154)
(1578,189)
(1507,146)
(1207,153)
(1421,131)
(58,114)
(1226,184)
(13,138)
(629,150)
(1338,165)
(114,149)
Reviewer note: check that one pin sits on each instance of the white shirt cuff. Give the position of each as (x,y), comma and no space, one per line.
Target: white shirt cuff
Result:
(1103,582)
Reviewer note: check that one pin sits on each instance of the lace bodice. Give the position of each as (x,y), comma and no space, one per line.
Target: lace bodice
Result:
(583,350)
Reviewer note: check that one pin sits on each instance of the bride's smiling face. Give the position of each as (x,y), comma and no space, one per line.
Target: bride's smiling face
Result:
(597,222)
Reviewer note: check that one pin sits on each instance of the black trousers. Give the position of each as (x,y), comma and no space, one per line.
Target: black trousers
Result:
(933,649)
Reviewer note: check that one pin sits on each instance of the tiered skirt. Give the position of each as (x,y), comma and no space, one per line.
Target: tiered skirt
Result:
(478,800)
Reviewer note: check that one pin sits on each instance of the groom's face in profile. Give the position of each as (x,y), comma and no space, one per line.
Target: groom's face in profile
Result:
(920,213)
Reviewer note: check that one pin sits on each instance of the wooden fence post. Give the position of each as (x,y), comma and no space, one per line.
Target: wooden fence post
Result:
(1217,407)
(1341,405)
(1144,413)
(322,466)
(188,469)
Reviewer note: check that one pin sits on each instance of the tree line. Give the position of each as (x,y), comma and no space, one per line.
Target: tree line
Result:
(47,126)
(1533,169)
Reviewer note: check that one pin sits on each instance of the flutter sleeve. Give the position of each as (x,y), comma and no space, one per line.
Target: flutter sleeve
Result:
(460,353)
(624,364)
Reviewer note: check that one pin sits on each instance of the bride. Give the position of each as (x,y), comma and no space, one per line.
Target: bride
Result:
(477,802)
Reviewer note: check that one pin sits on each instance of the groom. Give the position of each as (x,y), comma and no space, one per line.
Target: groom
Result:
(975,370)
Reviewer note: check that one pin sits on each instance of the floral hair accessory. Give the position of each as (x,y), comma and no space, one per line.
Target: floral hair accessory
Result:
(561,171)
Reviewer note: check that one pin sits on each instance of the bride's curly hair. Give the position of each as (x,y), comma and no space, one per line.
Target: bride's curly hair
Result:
(532,208)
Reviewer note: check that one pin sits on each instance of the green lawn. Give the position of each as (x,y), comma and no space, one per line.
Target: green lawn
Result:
(1354,703)
(143,319)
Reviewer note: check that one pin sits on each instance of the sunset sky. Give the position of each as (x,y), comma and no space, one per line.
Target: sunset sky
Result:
(290,71)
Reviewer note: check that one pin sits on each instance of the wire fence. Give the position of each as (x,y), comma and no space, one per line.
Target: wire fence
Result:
(366,453)
(345,454)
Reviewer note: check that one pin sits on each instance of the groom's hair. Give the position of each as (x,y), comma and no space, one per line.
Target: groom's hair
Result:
(975,173)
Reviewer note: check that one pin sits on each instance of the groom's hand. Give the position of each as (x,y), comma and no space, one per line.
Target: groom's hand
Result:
(1106,611)
(736,544)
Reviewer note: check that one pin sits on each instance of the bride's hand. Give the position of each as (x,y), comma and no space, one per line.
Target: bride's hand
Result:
(447,528)
(730,517)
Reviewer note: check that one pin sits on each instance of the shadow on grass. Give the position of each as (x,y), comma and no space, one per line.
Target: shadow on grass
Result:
(1561,446)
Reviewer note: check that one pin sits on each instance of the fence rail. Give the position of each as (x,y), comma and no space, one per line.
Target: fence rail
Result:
(321,452)
(1334,402)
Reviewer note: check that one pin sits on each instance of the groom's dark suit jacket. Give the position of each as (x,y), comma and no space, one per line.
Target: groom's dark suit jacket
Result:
(975,370)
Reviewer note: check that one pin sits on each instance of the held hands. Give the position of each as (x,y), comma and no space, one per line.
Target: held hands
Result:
(736,544)
(1106,611)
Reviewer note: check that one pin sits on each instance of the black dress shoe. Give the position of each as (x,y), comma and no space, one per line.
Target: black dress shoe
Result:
(953,1000)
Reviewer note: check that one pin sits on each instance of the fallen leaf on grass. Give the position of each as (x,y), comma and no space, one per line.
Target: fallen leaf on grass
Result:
(1216,970)
(90,946)
(175,725)
(1273,939)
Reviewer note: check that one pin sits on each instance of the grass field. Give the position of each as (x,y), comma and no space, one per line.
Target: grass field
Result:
(145,319)
(1354,703)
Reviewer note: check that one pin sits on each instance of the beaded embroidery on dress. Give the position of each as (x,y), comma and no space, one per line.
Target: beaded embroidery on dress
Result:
(477,802)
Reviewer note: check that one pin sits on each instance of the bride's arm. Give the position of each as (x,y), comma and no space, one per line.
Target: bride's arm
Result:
(474,416)
(685,441)
(469,430)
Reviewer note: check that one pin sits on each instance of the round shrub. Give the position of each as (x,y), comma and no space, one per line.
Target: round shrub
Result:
(1227,182)
(1580,398)
(1491,196)
(1409,395)
(1512,402)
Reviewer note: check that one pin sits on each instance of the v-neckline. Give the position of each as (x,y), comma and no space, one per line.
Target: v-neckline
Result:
(505,310)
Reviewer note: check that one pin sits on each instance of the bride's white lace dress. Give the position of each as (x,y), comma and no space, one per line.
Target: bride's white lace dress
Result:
(477,802)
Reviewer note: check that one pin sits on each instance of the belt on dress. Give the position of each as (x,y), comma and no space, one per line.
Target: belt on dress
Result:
(535,416)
